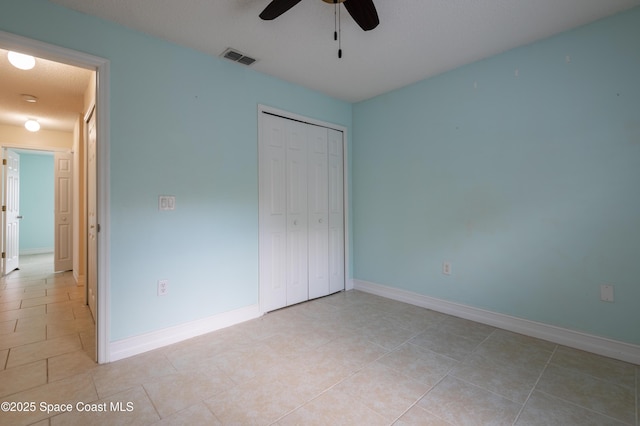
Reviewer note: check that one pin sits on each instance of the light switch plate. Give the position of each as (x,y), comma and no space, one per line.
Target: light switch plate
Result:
(606,293)
(166,202)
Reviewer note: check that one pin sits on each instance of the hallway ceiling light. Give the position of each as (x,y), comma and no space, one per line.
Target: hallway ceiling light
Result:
(21,61)
(29,98)
(32,125)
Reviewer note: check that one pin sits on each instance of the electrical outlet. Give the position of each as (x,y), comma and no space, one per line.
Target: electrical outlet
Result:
(163,287)
(446,268)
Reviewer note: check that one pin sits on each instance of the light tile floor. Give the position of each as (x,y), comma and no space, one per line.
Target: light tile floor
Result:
(347,359)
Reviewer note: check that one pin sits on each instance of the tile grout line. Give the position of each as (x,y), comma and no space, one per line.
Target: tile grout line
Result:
(535,384)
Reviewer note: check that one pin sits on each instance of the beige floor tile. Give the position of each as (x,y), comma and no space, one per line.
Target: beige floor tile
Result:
(384,390)
(65,305)
(197,414)
(8,326)
(543,409)
(70,364)
(19,294)
(60,328)
(23,313)
(257,402)
(414,319)
(510,380)
(130,372)
(462,403)
(354,349)
(177,391)
(417,416)
(418,363)
(3,358)
(68,391)
(514,350)
(20,338)
(465,328)
(386,333)
(10,306)
(131,407)
(43,349)
(444,343)
(89,344)
(601,367)
(333,408)
(22,378)
(27,303)
(44,319)
(587,391)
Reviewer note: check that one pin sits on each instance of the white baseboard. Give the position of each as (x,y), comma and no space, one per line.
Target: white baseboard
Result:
(135,345)
(575,339)
(42,250)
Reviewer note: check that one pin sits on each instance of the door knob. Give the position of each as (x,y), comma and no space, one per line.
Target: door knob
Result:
(19,217)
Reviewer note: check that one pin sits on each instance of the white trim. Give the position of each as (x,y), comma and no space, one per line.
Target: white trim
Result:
(348,283)
(156,339)
(42,250)
(101,66)
(575,339)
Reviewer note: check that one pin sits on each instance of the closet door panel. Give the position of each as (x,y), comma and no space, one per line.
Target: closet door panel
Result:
(336,210)
(297,221)
(318,193)
(272,214)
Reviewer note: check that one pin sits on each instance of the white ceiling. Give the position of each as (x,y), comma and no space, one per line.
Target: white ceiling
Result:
(416,39)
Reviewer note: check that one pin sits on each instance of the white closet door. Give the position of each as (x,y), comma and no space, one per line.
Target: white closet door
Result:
(272,214)
(318,212)
(300,212)
(336,211)
(297,272)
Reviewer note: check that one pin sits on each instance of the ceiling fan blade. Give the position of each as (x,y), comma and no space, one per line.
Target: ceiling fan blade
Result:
(363,12)
(277,8)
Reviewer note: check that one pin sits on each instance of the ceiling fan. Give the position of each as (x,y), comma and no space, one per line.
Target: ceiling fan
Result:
(362,11)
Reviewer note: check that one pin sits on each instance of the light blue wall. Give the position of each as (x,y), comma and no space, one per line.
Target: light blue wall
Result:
(36,202)
(184,124)
(528,184)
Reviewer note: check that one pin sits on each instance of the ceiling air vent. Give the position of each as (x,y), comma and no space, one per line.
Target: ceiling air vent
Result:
(236,56)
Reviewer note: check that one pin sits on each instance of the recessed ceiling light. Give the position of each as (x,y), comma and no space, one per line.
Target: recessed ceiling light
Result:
(32,125)
(21,61)
(29,98)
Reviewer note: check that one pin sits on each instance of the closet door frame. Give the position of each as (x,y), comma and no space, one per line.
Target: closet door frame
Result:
(264,109)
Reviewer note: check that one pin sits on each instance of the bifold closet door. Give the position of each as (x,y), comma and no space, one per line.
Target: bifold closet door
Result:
(301,219)
(282,213)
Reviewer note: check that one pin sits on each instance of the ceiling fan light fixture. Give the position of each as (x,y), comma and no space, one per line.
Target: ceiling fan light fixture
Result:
(21,61)
(32,125)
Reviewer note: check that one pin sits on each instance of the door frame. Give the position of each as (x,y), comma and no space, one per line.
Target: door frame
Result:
(348,281)
(52,52)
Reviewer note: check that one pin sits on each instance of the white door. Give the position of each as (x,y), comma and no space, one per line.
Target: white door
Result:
(92,219)
(300,212)
(297,275)
(63,211)
(282,213)
(336,211)
(318,212)
(11,206)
